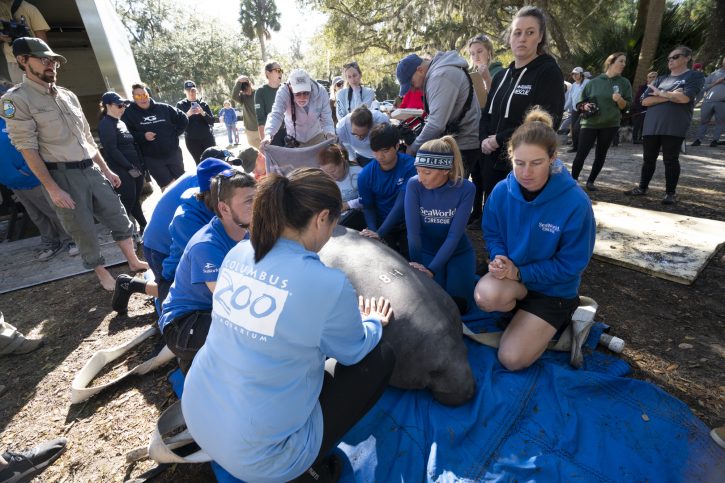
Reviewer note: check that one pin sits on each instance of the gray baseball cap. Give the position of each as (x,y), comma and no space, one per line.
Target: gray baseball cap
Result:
(35,47)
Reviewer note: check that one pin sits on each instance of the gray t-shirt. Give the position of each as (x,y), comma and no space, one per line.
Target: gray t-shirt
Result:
(670,118)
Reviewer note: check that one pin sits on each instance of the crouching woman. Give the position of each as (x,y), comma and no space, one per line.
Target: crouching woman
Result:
(539,230)
(261,399)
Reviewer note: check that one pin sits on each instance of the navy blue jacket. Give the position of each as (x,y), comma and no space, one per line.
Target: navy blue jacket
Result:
(166,121)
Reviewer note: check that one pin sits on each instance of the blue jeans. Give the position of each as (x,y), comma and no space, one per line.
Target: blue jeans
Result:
(232,129)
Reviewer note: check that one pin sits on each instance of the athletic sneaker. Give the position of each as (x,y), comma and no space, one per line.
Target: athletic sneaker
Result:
(636,192)
(73,249)
(122,293)
(48,252)
(25,466)
(696,142)
(713,144)
(669,199)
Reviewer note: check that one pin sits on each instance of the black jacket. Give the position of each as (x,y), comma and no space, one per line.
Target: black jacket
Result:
(119,147)
(166,121)
(513,92)
(199,126)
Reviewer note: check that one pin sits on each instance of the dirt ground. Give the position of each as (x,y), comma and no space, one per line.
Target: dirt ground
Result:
(675,337)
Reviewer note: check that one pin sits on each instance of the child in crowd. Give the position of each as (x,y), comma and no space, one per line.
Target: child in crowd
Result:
(333,161)
(438,202)
(228,116)
(539,229)
(382,188)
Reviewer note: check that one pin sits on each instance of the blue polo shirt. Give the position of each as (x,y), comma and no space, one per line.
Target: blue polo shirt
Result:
(156,236)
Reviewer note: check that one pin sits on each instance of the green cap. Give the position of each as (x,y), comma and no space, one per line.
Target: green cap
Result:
(35,47)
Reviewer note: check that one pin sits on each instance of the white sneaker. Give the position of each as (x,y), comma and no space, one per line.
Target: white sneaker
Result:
(49,252)
(73,249)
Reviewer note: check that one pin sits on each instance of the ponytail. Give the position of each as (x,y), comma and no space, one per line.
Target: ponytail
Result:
(290,203)
(537,129)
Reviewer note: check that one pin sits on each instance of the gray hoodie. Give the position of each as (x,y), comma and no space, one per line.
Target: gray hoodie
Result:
(446,89)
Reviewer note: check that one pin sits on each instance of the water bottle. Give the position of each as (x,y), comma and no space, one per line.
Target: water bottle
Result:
(615,88)
(614,344)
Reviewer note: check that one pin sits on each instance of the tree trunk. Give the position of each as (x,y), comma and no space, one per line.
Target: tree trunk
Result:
(714,39)
(650,38)
(262,46)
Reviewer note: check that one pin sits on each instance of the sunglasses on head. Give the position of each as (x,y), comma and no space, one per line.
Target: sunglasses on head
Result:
(351,64)
(227,173)
(675,57)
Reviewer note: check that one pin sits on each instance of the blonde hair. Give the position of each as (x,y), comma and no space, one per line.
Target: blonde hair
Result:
(447,144)
(537,129)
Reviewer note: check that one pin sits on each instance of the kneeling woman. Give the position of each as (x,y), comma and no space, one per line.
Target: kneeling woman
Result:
(260,398)
(438,203)
(333,161)
(539,231)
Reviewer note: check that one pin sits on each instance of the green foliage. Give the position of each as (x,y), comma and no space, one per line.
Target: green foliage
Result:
(678,27)
(257,18)
(169,49)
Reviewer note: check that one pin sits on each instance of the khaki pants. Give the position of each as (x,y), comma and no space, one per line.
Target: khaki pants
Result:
(253,138)
(94,197)
(43,215)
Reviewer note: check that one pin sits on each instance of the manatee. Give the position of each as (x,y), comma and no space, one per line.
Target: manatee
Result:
(426,333)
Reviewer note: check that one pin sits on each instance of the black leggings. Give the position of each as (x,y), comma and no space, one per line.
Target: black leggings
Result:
(472,160)
(130,194)
(490,175)
(197,146)
(349,392)
(587,136)
(670,146)
(576,125)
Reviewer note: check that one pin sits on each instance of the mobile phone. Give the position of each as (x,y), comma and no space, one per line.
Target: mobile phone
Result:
(194,105)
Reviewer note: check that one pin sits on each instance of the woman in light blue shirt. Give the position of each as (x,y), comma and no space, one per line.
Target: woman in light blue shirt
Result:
(260,397)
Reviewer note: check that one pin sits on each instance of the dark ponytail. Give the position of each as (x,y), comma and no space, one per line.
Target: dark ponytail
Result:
(290,203)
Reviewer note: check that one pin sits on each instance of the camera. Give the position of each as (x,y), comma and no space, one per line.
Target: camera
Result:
(245,86)
(291,142)
(14,29)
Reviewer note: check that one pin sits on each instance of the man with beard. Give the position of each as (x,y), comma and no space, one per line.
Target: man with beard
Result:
(46,124)
(186,315)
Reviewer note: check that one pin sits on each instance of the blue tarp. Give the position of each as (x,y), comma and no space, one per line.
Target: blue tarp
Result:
(547,423)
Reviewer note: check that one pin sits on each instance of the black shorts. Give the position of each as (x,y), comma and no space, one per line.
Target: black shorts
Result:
(555,311)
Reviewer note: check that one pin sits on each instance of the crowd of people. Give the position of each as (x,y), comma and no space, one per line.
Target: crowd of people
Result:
(228,247)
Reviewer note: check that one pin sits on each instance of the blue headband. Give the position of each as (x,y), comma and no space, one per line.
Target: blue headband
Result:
(428,159)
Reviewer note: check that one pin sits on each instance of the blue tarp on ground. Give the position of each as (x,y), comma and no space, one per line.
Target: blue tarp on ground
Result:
(548,423)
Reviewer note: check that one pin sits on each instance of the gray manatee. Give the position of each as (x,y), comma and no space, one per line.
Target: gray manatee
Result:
(426,333)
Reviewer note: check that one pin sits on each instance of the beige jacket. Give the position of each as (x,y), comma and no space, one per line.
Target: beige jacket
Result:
(53,124)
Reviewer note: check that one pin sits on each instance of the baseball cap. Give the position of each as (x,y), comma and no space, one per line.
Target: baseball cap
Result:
(588,75)
(209,168)
(35,47)
(300,81)
(113,98)
(337,80)
(577,70)
(189,84)
(249,159)
(406,69)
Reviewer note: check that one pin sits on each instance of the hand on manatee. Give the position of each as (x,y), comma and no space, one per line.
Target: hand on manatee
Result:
(370,234)
(420,267)
(380,308)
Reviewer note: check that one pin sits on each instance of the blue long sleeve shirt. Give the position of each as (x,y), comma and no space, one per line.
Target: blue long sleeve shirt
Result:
(190,216)
(251,398)
(436,220)
(383,193)
(550,239)
(157,236)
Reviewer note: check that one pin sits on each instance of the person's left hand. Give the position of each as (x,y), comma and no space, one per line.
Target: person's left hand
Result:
(616,97)
(113,178)
(420,267)
(380,308)
(370,234)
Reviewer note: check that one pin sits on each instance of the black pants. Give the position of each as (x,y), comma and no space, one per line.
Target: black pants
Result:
(353,219)
(490,175)
(670,146)
(165,168)
(130,193)
(472,161)
(587,137)
(186,334)
(637,124)
(197,146)
(576,125)
(349,392)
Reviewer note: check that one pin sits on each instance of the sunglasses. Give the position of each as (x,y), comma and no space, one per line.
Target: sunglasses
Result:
(351,64)
(675,57)
(46,61)
(226,174)
(140,96)
(277,70)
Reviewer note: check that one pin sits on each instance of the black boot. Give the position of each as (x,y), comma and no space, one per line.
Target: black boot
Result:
(125,286)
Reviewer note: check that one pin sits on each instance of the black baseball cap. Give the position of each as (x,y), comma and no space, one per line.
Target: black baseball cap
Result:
(113,98)
(35,47)
(189,84)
